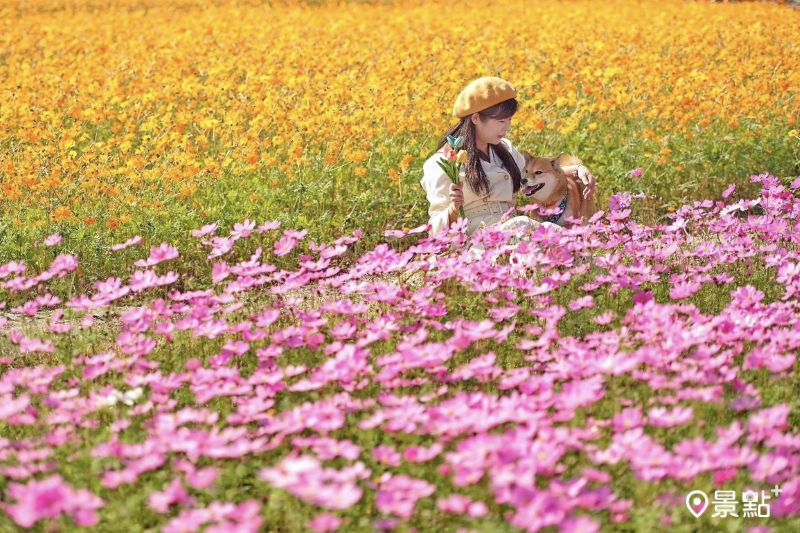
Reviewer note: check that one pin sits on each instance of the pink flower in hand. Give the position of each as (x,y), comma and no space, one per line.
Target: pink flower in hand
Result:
(449,153)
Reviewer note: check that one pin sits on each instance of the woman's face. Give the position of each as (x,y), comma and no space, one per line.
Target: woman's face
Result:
(490,130)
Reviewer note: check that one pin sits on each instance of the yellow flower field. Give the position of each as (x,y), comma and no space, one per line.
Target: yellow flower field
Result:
(116,113)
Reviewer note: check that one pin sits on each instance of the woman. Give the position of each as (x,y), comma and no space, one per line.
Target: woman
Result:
(493,169)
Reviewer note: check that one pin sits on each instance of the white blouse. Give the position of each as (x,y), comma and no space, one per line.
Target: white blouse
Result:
(437,185)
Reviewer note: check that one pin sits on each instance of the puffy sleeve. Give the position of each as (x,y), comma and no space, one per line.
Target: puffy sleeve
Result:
(437,190)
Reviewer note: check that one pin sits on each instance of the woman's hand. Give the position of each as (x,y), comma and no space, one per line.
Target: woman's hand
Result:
(586,177)
(456,201)
(456,196)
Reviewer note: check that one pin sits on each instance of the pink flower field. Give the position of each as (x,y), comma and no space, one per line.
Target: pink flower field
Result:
(576,382)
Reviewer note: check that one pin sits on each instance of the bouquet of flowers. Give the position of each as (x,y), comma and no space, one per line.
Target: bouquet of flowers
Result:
(453,161)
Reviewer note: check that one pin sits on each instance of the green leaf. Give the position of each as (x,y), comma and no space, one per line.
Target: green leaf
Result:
(447,169)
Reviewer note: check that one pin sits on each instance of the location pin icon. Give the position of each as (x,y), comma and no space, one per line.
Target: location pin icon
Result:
(694,500)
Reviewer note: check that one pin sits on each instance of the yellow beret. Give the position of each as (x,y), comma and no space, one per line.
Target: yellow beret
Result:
(482,94)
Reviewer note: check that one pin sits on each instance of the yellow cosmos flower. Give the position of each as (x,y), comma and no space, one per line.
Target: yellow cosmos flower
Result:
(156,107)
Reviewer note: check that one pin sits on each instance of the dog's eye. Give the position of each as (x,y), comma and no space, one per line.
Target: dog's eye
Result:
(538,172)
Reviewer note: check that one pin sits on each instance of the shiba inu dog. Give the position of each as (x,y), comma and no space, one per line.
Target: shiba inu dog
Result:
(544,181)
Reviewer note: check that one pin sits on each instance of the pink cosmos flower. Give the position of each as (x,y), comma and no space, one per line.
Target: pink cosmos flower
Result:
(628,419)
(185,522)
(458,504)
(585,302)
(52,240)
(127,244)
(164,252)
(208,229)
(477,510)
(220,246)
(12,268)
(636,173)
(419,454)
(27,345)
(747,296)
(242,230)
(764,422)
(10,406)
(604,319)
(294,234)
(541,511)
(284,246)
(49,498)
(683,290)
(581,524)
(142,280)
(660,416)
(398,494)
(202,478)
(386,455)
(305,478)
(766,466)
(62,264)
(29,308)
(172,494)
(788,502)
(721,477)
(727,192)
(326,449)
(324,522)
(332,251)
(268,226)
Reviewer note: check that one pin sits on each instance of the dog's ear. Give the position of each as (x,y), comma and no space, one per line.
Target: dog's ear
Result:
(527,157)
(557,161)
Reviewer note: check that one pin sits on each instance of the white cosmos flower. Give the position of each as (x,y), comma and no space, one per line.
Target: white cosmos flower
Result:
(115,396)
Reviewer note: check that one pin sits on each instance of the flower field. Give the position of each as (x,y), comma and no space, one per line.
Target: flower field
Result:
(146,117)
(579,380)
(220,310)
